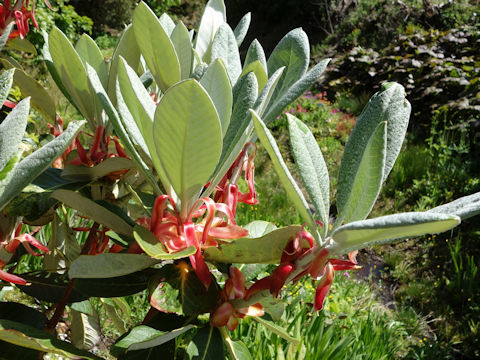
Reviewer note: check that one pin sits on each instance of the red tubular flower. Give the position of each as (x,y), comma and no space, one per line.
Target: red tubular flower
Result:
(10,244)
(18,14)
(323,287)
(226,314)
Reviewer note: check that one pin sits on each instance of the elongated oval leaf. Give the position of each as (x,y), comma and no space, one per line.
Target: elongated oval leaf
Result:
(82,173)
(40,98)
(255,53)
(108,265)
(464,207)
(225,47)
(277,104)
(85,330)
(145,337)
(257,68)
(114,286)
(93,210)
(293,52)
(119,128)
(241,29)
(167,23)
(12,130)
(6,81)
(311,166)
(89,52)
(244,95)
(293,191)
(215,80)
(188,137)
(154,248)
(156,47)
(72,73)
(128,49)
(359,186)
(32,338)
(183,48)
(36,163)
(360,234)
(213,16)
(266,249)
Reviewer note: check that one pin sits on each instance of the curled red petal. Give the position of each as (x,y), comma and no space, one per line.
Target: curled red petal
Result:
(198,264)
(352,256)
(228,232)
(343,265)
(318,264)
(12,278)
(259,285)
(279,276)
(222,314)
(323,287)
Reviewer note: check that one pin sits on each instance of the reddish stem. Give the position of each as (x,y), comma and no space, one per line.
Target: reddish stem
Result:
(60,308)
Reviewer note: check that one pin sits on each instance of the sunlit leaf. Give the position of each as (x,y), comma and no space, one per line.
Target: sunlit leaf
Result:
(265,249)
(385,229)
(311,166)
(213,16)
(225,47)
(156,47)
(93,210)
(108,265)
(464,207)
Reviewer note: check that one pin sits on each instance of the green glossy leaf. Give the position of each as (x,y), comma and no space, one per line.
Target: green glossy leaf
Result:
(108,166)
(108,265)
(84,307)
(93,211)
(258,228)
(177,289)
(119,128)
(183,48)
(464,207)
(385,229)
(114,286)
(89,52)
(311,166)
(29,337)
(257,68)
(34,164)
(144,337)
(359,183)
(115,317)
(277,104)
(213,16)
(207,344)
(72,73)
(241,29)
(34,204)
(85,330)
(188,138)
(273,307)
(217,84)
(6,81)
(293,52)
(156,47)
(154,248)
(293,191)
(266,249)
(128,49)
(22,314)
(49,287)
(225,47)
(238,350)
(12,130)
(40,98)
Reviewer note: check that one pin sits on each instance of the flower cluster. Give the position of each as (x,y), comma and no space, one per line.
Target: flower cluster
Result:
(19,14)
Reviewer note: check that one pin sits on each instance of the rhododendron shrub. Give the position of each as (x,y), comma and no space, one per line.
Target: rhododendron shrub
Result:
(152,180)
